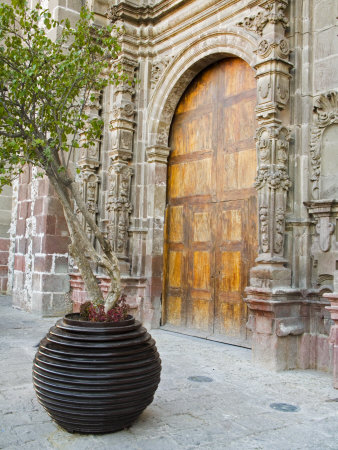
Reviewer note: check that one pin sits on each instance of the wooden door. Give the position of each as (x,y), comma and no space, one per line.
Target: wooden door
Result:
(211,219)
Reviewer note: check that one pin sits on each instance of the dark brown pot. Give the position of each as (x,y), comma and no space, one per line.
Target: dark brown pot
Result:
(96,377)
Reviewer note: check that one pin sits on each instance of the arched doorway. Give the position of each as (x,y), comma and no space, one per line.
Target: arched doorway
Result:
(211,216)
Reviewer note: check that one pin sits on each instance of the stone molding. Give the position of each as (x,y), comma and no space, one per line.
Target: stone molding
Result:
(325,111)
(158,154)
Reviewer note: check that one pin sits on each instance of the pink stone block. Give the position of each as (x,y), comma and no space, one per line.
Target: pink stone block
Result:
(263,324)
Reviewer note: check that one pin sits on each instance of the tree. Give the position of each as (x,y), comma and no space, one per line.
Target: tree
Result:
(45,87)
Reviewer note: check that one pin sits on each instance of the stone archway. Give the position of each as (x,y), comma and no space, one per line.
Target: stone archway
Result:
(173,81)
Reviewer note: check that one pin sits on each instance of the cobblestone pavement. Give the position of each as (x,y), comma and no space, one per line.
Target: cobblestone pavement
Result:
(233,411)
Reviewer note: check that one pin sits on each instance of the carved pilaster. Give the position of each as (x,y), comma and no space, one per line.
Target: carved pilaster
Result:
(273,66)
(119,207)
(272,183)
(90,157)
(122,115)
(274,322)
(89,163)
(272,137)
(121,126)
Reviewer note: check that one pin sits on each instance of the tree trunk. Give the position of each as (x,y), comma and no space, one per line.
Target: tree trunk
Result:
(82,248)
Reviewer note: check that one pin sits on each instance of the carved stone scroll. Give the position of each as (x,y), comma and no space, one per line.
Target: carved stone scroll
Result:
(273,13)
(326,113)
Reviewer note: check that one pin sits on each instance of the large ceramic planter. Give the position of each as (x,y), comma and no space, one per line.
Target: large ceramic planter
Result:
(96,377)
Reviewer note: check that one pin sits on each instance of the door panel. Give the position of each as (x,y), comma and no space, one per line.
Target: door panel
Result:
(211,222)
(201,267)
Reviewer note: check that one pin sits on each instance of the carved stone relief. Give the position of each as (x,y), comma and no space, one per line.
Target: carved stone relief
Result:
(264,228)
(272,149)
(119,207)
(121,125)
(274,14)
(326,113)
(158,67)
(89,163)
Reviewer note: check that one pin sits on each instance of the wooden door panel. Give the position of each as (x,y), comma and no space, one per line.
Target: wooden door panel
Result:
(236,77)
(201,266)
(231,225)
(176,224)
(175,266)
(192,178)
(174,315)
(211,227)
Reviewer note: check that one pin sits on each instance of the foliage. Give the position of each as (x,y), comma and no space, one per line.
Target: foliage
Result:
(51,73)
(96,313)
(45,85)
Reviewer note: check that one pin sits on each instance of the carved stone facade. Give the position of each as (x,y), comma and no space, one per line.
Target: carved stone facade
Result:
(165,44)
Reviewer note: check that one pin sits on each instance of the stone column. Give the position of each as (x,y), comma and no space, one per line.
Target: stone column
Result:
(274,314)
(157,158)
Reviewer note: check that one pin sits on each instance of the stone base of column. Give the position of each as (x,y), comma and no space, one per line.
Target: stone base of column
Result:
(276,324)
(275,316)
(333,308)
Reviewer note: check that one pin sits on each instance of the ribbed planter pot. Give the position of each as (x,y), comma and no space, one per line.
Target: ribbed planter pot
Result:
(96,377)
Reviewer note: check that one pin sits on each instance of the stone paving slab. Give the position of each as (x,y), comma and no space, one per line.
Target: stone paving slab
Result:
(230,412)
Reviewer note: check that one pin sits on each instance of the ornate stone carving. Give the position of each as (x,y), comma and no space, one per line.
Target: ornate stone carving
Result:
(89,163)
(163,136)
(324,228)
(89,159)
(326,114)
(121,125)
(158,67)
(119,207)
(264,88)
(265,48)
(123,111)
(272,145)
(322,211)
(274,14)
(112,14)
(279,229)
(264,228)
(88,183)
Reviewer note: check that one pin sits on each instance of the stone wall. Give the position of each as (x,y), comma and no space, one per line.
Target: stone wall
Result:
(40,249)
(5,220)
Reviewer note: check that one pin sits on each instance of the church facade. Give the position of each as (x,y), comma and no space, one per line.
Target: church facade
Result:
(215,178)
